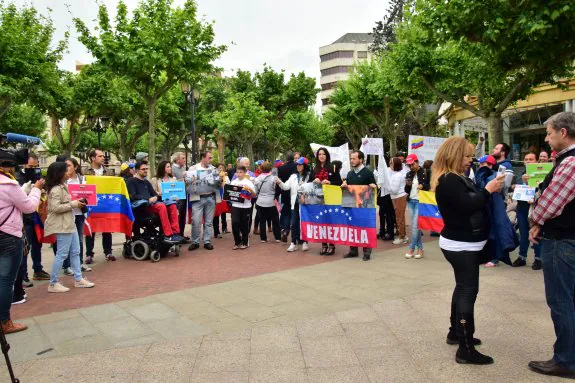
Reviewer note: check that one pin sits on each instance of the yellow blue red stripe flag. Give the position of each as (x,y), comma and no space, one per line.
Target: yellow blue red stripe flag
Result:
(429,216)
(113,213)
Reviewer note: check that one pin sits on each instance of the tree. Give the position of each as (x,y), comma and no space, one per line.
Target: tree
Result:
(384,32)
(159,47)
(27,60)
(23,119)
(485,56)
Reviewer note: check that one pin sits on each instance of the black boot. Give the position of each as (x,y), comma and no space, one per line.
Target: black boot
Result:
(452,338)
(466,353)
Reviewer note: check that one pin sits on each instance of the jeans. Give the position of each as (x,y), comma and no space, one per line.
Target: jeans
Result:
(168,217)
(203,210)
(413,205)
(269,214)
(558,259)
(68,245)
(182,207)
(106,244)
(386,216)
(523,223)
(466,269)
(241,225)
(295,225)
(11,254)
(35,250)
(79,219)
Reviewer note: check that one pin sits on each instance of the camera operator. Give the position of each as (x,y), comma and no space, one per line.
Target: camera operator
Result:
(13,202)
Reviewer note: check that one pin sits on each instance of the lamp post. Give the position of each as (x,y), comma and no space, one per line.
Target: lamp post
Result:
(193,98)
(265,143)
(100,127)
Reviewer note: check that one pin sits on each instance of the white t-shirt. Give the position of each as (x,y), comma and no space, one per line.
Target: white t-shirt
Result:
(414,193)
(245,182)
(99,172)
(450,245)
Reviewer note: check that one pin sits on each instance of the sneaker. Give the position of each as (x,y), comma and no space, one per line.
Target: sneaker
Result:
(169,239)
(243,247)
(305,247)
(185,240)
(10,327)
(399,241)
(519,262)
(18,299)
(89,260)
(84,283)
(110,257)
(536,265)
(41,276)
(292,247)
(85,268)
(418,254)
(490,264)
(387,238)
(208,246)
(262,241)
(57,288)
(68,271)
(193,246)
(177,238)
(27,283)
(405,240)
(284,237)
(409,254)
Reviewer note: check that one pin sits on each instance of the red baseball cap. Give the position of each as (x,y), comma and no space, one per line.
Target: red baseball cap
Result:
(411,159)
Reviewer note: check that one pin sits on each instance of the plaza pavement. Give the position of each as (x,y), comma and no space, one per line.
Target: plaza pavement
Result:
(332,321)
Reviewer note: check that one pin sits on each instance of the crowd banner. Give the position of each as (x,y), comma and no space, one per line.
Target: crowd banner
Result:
(537,173)
(429,216)
(173,190)
(339,153)
(425,147)
(233,193)
(113,214)
(372,146)
(334,223)
(79,191)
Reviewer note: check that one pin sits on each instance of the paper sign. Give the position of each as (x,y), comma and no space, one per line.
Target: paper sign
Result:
(173,191)
(339,153)
(524,193)
(538,172)
(372,146)
(424,147)
(79,191)
(232,193)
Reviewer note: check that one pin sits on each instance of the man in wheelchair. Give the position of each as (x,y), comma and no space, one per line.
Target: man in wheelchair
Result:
(140,189)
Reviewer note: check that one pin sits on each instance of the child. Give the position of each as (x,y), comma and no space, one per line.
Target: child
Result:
(241,211)
(221,207)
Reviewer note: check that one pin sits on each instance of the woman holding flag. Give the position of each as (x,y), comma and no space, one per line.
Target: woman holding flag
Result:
(463,238)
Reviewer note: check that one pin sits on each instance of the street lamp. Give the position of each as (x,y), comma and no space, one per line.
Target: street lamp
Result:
(265,143)
(193,98)
(99,127)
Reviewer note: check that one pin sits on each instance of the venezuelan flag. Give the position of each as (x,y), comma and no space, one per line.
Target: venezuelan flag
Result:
(39,229)
(417,143)
(113,214)
(429,215)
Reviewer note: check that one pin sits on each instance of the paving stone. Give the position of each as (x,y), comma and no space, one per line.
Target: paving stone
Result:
(225,361)
(56,317)
(319,327)
(333,351)
(360,315)
(103,313)
(220,377)
(173,328)
(124,328)
(152,312)
(181,347)
(277,361)
(279,376)
(350,374)
(252,312)
(274,340)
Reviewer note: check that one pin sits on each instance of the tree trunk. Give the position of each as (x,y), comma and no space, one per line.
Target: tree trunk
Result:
(221,149)
(152,133)
(495,130)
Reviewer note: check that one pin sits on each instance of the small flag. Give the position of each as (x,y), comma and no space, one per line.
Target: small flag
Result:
(429,216)
(417,143)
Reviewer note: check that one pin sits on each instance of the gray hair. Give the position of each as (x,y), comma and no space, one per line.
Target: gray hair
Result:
(563,120)
(176,156)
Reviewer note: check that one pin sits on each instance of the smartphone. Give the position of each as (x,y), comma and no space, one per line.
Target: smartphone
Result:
(501,170)
(83,200)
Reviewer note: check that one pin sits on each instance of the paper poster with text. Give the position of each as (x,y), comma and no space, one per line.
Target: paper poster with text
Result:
(424,147)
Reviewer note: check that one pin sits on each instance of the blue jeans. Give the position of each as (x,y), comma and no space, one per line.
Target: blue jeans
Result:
(295,225)
(558,259)
(523,223)
(68,245)
(413,206)
(35,250)
(11,253)
(203,210)
(80,229)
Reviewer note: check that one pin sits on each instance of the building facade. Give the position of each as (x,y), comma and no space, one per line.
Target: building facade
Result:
(337,60)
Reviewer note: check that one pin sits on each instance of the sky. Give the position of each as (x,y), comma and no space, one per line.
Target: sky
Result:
(283,34)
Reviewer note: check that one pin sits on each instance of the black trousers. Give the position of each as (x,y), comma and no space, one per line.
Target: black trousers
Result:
(466,269)
(386,216)
(182,206)
(269,214)
(241,225)
(106,244)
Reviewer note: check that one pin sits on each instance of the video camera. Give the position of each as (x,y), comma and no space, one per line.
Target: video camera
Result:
(14,157)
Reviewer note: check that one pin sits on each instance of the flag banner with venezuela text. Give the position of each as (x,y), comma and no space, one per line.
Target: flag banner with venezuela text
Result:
(113,213)
(429,216)
(339,225)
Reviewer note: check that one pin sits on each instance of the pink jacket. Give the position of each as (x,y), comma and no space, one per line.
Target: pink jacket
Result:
(12,195)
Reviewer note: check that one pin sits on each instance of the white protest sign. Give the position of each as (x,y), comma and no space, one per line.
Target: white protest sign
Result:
(339,153)
(424,147)
(523,193)
(372,146)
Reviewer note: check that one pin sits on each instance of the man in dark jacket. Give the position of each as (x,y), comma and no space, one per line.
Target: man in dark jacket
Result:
(284,173)
(359,175)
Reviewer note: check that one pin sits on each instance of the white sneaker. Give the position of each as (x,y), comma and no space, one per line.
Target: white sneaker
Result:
(292,247)
(85,268)
(398,241)
(57,288)
(405,240)
(409,254)
(84,283)
(68,271)
(305,246)
(419,254)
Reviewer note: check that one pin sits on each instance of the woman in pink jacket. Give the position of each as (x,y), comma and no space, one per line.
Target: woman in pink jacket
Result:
(13,202)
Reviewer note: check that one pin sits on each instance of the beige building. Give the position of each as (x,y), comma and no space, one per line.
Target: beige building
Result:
(337,59)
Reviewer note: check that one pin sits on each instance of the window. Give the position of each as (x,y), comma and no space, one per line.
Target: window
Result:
(325,101)
(329,85)
(335,70)
(362,54)
(336,55)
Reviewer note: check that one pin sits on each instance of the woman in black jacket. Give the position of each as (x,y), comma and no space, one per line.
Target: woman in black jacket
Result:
(463,238)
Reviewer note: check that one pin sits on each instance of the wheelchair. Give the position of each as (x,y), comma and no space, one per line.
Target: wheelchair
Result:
(147,238)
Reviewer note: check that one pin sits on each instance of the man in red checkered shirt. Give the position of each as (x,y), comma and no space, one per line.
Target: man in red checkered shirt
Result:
(553,223)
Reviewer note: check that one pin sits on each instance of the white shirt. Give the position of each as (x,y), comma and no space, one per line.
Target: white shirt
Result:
(99,172)
(414,193)
(450,245)
(245,182)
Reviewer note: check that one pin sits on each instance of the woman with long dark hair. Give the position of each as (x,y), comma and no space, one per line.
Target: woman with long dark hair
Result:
(326,174)
(163,174)
(466,228)
(60,221)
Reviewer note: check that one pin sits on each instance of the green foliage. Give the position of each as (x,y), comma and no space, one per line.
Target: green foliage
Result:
(23,119)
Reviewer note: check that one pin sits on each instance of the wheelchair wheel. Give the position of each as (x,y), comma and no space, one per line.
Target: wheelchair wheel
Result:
(140,250)
(155,256)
